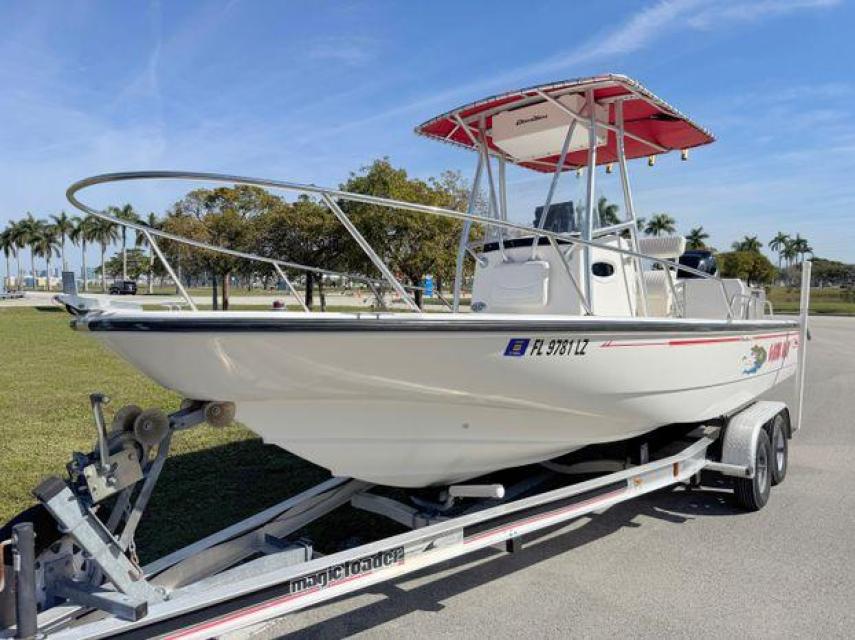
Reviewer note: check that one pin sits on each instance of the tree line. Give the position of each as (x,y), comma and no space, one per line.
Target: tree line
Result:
(49,239)
(304,231)
(253,220)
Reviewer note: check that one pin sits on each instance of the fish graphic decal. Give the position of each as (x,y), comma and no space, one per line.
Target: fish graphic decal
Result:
(754,360)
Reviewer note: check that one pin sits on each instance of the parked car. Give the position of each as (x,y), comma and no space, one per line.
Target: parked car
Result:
(699,259)
(123,288)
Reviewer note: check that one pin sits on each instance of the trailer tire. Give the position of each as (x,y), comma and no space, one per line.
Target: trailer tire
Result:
(780,448)
(752,494)
(43,524)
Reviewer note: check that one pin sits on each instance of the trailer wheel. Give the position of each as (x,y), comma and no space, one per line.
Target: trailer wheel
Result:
(780,449)
(43,524)
(752,494)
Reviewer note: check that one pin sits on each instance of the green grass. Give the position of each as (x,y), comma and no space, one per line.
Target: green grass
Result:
(213,477)
(825,301)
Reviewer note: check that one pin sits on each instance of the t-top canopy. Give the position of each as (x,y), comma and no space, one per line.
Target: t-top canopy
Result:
(529,127)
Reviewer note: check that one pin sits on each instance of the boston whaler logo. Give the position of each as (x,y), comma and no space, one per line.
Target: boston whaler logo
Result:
(520,347)
(534,118)
(346,570)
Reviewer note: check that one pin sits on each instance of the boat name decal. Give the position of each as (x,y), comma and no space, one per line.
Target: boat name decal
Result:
(346,570)
(779,351)
(520,347)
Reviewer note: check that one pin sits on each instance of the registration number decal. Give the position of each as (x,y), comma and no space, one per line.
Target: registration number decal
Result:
(522,347)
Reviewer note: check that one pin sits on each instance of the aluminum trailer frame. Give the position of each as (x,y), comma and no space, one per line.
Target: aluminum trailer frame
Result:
(287,577)
(321,579)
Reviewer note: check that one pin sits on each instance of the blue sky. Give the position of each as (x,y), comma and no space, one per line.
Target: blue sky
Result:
(309,91)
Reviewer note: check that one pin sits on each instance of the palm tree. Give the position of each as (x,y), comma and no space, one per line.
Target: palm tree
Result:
(45,246)
(82,235)
(63,226)
(607,213)
(18,233)
(640,222)
(789,252)
(174,216)
(104,232)
(777,245)
(31,229)
(748,243)
(659,224)
(695,238)
(125,213)
(7,246)
(142,241)
(801,247)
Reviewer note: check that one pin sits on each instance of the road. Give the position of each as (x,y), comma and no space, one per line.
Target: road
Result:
(674,564)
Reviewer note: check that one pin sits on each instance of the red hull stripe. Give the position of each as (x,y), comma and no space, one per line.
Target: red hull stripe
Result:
(691,341)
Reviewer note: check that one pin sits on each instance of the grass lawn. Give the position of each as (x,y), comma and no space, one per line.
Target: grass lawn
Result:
(213,477)
(828,300)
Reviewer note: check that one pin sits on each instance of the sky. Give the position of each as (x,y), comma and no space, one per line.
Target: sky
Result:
(310,91)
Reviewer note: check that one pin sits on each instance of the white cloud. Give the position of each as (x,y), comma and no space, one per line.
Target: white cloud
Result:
(638,32)
(349,50)
(719,12)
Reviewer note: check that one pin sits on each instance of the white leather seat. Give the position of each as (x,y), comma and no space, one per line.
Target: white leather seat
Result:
(659,294)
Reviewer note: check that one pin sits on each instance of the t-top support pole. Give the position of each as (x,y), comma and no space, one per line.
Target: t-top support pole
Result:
(492,197)
(553,185)
(629,205)
(588,227)
(804,305)
(503,189)
(464,235)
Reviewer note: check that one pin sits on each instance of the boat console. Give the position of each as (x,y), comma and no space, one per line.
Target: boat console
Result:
(514,277)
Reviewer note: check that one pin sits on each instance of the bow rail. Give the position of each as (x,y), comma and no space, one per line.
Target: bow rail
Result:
(328,197)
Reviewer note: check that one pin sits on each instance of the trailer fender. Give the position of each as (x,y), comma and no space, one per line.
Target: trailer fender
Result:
(741,433)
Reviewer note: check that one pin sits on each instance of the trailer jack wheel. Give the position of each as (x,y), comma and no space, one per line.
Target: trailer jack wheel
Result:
(752,494)
(780,448)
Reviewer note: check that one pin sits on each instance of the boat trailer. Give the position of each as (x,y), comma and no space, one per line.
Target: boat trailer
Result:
(88,583)
(68,572)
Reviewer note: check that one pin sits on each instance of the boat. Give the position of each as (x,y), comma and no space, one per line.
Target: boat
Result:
(577,332)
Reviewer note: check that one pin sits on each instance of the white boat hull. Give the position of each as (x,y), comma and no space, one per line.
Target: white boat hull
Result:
(424,406)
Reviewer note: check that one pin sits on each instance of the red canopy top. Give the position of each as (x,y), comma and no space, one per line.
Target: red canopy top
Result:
(652,126)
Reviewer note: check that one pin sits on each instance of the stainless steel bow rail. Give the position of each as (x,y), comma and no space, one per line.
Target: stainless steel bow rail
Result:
(84,580)
(331,197)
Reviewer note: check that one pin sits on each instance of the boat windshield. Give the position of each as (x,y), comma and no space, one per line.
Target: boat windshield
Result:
(561,218)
